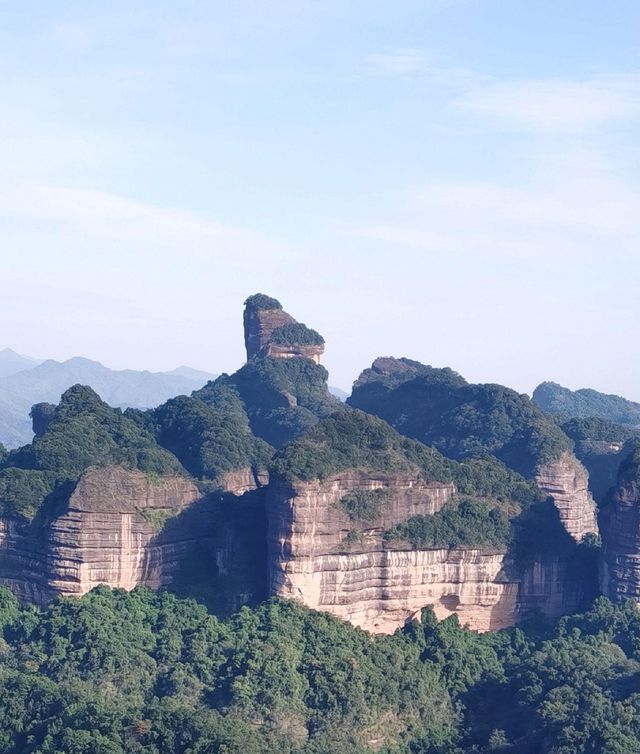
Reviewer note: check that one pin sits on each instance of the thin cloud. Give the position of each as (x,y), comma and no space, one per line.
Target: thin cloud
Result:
(400,62)
(557,105)
(112,218)
(573,214)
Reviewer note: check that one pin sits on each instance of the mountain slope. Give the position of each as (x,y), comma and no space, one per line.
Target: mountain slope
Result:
(439,408)
(12,362)
(586,404)
(47,381)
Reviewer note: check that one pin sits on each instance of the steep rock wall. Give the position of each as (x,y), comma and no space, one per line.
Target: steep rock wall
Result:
(566,481)
(120,528)
(374,584)
(259,325)
(620,528)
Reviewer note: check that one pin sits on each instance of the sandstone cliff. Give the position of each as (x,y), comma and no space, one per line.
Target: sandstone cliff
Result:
(319,555)
(620,529)
(264,319)
(110,531)
(124,528)
(566,481)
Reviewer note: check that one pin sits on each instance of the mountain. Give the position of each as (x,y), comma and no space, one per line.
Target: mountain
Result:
(12,362)
(585,404)
(47,381)
(440,408)
(338,393)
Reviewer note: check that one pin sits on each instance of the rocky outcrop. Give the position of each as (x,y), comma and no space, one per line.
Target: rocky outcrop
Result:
(259,324)
(125,528)
(263,319)
(116,530)
(566,482)
(240,481)
(620,529)
(321,556)
(551,587)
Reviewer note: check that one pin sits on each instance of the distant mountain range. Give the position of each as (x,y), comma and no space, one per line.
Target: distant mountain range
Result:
(586,404)
(25,381)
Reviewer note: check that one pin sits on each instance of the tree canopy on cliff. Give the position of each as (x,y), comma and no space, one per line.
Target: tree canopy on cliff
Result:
(81,431)
(212,436)
(438,408)
(262,301)
(281,397)
(352,439)
(296,334)
(586,403)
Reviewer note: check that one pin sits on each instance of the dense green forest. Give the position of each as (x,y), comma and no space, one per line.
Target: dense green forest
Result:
(437,407)
(81,431)
(586,404)
(150,673)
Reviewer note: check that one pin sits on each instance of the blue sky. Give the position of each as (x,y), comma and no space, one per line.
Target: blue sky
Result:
(451,180)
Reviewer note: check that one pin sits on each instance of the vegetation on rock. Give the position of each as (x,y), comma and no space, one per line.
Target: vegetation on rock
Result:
(81,431)
(464,523)
(210,435)
(586,403)
(439,409)
(296,334)
(364,505)
(262,301)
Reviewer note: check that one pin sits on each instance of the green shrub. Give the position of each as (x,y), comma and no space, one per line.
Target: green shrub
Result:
(262,301)
(465,523)
(296,334)
(364,505)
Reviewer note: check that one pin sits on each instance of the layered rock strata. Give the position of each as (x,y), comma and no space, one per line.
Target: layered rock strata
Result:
(116,530)
(260,323)
(620,529)
(125,528)
(322,557)
(566,482)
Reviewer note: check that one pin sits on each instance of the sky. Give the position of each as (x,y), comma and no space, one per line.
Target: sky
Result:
(456,181)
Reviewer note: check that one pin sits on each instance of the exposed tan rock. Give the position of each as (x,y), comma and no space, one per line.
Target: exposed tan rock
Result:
(372,583)
(280,351)
(259,325)
(239,481)
(566,481)
(620,528)
(110,531)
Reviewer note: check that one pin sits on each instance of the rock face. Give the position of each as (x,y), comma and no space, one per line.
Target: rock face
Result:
(263,316)
(620,528)
(125,528)
(110,532)
(320,556)
(566,481)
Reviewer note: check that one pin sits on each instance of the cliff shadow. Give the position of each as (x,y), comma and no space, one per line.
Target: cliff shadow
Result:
(222,562)
(557,575)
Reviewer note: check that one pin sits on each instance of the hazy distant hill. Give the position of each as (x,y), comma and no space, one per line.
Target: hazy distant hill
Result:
(19,390)
(12,362)
(586,403)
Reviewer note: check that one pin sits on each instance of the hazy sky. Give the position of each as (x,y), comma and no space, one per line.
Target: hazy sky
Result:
(456,181)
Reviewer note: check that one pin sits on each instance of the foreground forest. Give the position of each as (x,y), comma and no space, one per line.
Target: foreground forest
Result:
(151,673)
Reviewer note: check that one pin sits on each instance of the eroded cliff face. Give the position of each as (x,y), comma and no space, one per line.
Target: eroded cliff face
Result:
(620,529)
(259,326)
(117,530)
(566,481)
(125,528)
(331,562)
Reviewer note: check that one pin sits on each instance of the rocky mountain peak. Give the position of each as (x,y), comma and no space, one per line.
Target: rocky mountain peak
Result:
(270,331)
